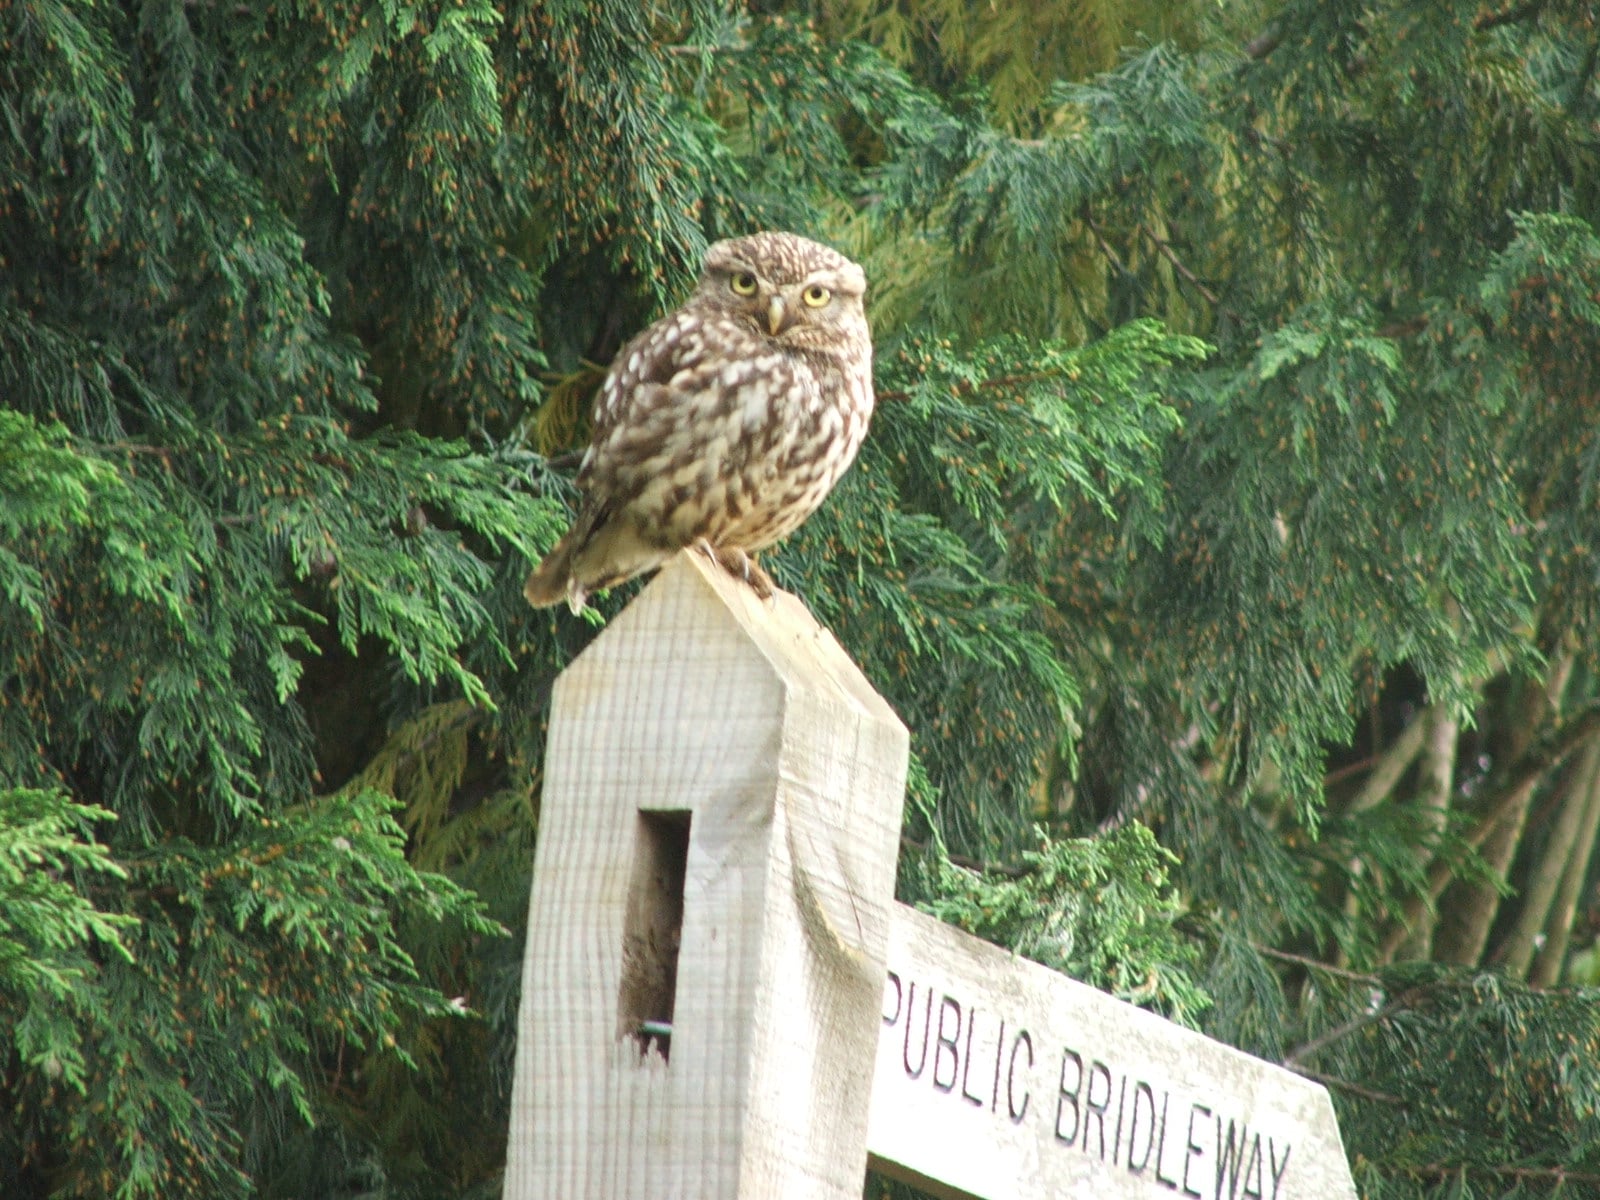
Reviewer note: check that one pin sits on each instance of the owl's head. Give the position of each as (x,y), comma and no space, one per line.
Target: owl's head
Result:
(793,291)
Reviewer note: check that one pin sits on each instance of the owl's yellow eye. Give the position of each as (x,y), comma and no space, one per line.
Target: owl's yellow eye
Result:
(743,283)
(816,295)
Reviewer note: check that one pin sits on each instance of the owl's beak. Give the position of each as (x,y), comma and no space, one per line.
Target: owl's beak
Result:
(777,315)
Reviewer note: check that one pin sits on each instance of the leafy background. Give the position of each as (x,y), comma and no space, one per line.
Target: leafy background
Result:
(1226,536)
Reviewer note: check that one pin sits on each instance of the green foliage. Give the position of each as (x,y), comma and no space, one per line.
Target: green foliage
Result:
(1100,909)
(927,569)
(43,485)
(251,968)
(1226,534)
(196,505)
(46,925)
(1515,1113)
(1267,619)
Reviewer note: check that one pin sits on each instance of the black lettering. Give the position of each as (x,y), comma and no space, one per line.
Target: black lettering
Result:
(1141,1091)
(1122,1096)
(1016,1114)
(1254,1189)
(1161,1144)
(999,1045)
(927,1021)
(1076,1059)
(1097,1070)
(1230,1157)
(1195,1148)
(966,1060)
(1277,1168)
(892,984)
(948,1005)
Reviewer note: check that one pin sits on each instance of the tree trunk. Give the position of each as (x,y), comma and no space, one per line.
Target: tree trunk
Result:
(1434,792)
(1467,911)
(1385,777)
(1558,929)
(1561,851)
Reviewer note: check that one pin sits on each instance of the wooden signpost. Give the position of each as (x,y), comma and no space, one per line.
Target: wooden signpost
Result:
(1001,1079)
(721,998)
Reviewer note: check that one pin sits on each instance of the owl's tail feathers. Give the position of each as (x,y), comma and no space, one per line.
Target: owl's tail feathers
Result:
(552,581)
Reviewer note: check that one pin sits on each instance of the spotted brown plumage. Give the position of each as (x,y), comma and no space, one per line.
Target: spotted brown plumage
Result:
(726,423)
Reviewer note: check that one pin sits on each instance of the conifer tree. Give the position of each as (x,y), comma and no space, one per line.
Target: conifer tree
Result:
(1226,534)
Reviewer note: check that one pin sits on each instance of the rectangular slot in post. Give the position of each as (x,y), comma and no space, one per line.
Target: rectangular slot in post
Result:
(652,931)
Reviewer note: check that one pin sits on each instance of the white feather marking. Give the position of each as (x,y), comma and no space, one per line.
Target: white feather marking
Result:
(757,405)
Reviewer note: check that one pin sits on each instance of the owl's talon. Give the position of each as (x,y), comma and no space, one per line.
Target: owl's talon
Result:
(760,582)
(740,565)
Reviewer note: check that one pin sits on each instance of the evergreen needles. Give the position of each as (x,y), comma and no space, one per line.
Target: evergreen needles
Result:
(1227,534)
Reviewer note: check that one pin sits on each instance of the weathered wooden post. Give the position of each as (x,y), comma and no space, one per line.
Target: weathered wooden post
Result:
(722,1001)
(710,908)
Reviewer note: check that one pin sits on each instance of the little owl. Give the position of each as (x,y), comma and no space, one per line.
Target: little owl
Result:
(724,424)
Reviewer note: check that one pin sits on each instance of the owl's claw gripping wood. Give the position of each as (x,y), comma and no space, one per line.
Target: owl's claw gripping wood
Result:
(726,422)
(741,566)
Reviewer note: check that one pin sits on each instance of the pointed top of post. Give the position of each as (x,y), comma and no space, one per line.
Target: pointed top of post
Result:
(692,596)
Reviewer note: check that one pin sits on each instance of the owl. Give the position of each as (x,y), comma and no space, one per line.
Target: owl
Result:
(725,424)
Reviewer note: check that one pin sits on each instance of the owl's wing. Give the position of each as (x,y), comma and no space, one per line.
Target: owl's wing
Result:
(689,394)
(633,388)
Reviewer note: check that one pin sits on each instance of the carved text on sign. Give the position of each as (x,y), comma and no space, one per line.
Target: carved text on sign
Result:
(1000,1079)
(1124,1115)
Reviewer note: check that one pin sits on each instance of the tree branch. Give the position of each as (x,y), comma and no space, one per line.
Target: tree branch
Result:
(1580,85)
(1344,1085)
(1171,256)
(1316,964)
(1163,247)
(1516,951)
(1264,43)
(1551,1174)
(1005,870)
(963,388)
(1583,725)
(1354,1025)
(1508,16)
(1392,764)
(1105,247)
(698,51)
